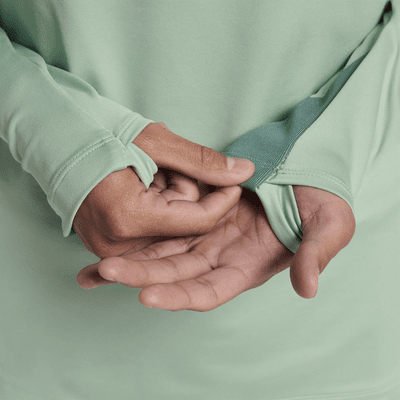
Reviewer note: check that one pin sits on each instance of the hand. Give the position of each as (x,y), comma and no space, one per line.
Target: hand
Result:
(240,253)
(119,214)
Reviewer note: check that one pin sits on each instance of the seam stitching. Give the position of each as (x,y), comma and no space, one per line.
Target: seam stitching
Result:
(124,126)
(67,167)
(322,175)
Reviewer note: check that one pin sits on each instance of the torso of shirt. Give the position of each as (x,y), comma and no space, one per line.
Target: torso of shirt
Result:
(211,70)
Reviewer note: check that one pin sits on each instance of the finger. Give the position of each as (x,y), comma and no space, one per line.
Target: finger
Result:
(104,247)
(202,163)
(204,189)
(180,217)
(203,293)
(159,181)
(163,248)
(175,186)
(144,273)
(180,187)
(108,269)
(89,277)
(160,263)
(327,232)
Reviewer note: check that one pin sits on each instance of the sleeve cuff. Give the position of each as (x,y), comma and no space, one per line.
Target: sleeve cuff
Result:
(281,208)
(83,172)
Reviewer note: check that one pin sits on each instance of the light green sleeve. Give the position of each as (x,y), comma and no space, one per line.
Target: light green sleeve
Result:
(62,131)
(353,134)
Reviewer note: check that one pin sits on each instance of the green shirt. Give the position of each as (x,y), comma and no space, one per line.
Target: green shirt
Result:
(79,80)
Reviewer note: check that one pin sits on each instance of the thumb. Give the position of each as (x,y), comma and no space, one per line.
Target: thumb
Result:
(327,231)
(199,162)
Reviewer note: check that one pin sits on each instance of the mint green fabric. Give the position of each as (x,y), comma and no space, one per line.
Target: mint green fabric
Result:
(268,146)
(280,204)
(76,73)
(359,128)
(63,132)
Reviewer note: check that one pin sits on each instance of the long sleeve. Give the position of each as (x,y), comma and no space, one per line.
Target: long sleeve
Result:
(334,139)
(62,131)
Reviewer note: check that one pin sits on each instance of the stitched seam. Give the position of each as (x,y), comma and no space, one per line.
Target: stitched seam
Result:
(70,166)
(124,126)
(289,147)
(280,158)
(120,131)
(318,174)
(54,180)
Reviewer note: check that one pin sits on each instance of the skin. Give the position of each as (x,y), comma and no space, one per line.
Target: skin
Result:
(120,214)
(239,253)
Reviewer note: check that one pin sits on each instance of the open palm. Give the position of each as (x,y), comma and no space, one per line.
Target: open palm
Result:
(241,252)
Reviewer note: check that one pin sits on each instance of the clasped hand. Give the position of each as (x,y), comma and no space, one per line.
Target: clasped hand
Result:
(194,249)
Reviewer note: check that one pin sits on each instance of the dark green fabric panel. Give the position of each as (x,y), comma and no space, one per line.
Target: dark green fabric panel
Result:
(269,145)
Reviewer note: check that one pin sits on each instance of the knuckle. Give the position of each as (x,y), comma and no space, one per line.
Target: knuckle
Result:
(118,224)
(114,223)
(118,233)
(121,232)
(120,229)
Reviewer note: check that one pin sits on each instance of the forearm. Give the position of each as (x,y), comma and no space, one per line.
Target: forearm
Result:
(354,131)
(62,131)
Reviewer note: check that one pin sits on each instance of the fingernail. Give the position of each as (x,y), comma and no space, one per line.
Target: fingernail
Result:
(151,301)
(238,165)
